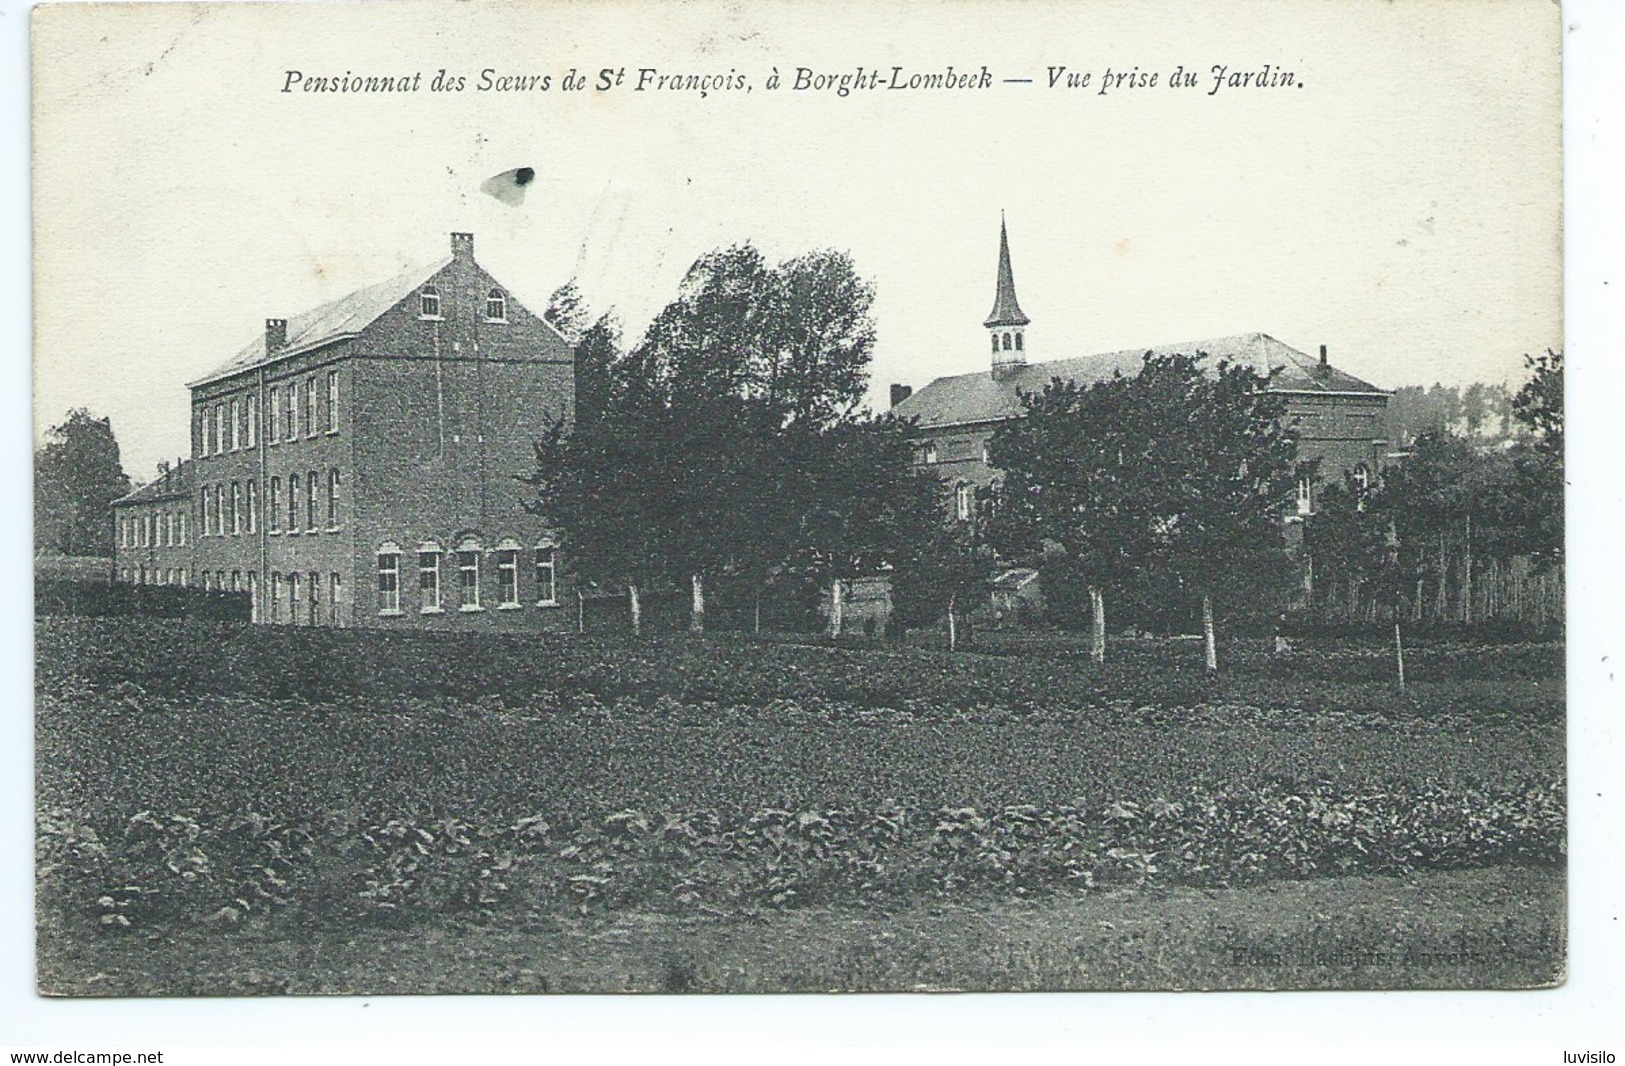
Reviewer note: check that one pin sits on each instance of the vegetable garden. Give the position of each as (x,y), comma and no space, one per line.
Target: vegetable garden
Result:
(195,773)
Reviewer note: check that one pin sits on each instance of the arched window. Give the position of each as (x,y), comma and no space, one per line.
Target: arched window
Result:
(1007,342)
(547,574)
(1306,499)
(964,502)
(468,575)
(995,338)
(507,574)
(429,302)
(389,578)
(1018,342)
(496,306)
(1361,477)
(429,555)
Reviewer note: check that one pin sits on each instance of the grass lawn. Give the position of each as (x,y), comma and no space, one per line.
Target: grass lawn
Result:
(1500,927)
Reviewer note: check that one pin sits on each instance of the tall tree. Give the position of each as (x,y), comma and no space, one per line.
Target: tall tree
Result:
(567,311)
(1228,469)
(1075,469)
(77,476)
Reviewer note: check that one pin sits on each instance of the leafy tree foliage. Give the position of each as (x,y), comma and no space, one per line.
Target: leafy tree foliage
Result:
(1418,542)
(77,476)
(1171,472)
(727,440)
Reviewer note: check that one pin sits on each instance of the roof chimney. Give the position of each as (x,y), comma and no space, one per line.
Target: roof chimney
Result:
(276,334)
(462,245)
(1322,355)
(899,393)
(1325,368)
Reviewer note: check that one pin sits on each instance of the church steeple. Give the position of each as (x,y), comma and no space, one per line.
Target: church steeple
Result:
(1006,323)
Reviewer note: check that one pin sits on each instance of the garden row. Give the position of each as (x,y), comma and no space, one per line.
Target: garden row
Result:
(170,867)
(170,657)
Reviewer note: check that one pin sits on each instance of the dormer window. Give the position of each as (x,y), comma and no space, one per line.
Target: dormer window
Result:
(496,306)
(429,302)
(930,452)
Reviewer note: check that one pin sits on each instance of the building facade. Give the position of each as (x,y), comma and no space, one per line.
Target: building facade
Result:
(1340,420)
(357,465)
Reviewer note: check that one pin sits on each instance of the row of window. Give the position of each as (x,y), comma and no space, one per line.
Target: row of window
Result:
(164,529)
(1007,337)
(233,509)
(496,304)
(296,599)
(296,410)
(435,567)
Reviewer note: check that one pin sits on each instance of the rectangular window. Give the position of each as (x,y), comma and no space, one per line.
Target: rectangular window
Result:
(508,577)
(308,416)
(332,401)
(253,596)
(219,428)
(253,505)
(273,509)
(183,530)
(202,446)
(293,598)
(273,421)
(292,431)
(389,583)
(310,501)
(236,580)
(293,503)
(429,582)
(315,598)
(236,420)
(236,508)
(468,580)
(547,590)
(333,498)
(335,586)
(251,421)
(274,587)
(219,510)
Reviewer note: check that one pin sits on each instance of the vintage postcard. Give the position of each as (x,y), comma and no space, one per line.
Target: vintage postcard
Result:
(716,498)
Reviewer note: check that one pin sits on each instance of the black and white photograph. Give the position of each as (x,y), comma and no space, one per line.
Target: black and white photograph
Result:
(703,499)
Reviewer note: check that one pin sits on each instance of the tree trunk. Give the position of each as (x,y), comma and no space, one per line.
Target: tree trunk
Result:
(1442,606)
(1467,573)
(637,610)
(581,612)
(1097,624)
(835,608)
(953,631)
(696,617)
(756,614)
(1210,647)
(1399,655)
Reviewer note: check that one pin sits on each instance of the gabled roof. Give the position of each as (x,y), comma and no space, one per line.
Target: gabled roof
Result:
(178,482)
(343,317)
(991,397)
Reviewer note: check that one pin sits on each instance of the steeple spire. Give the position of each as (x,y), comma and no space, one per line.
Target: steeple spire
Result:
(1006,322)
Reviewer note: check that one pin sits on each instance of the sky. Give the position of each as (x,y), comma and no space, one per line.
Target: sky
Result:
(1399,202)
